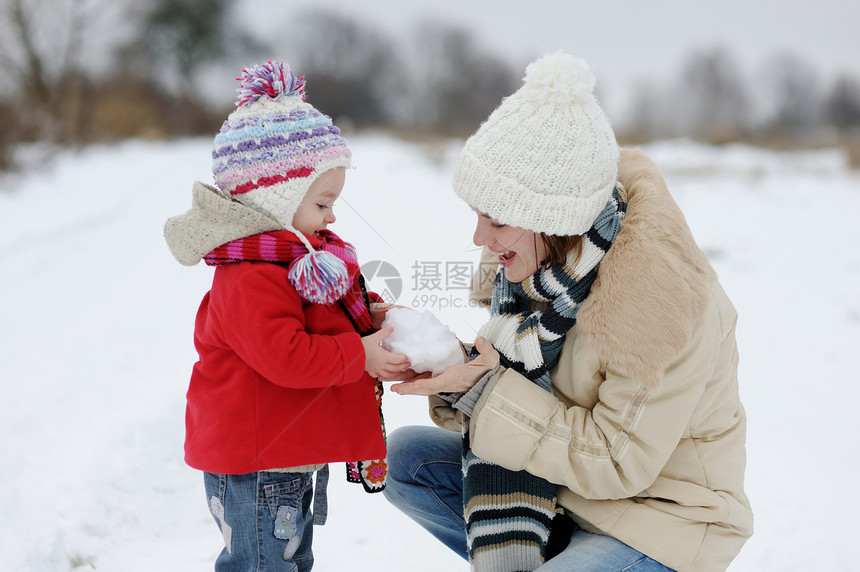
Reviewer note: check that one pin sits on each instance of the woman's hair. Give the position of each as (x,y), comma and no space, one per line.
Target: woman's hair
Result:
(558,247)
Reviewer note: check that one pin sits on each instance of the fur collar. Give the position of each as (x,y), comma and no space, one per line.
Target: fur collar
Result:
(652,284)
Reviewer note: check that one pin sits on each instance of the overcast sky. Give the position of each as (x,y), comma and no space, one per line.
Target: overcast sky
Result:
(626,42)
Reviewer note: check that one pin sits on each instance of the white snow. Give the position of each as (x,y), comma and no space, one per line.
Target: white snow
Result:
(429,344)
(96,347)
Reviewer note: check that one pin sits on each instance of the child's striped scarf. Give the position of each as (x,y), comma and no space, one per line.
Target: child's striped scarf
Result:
(509,514)
(284,248)
(319,281)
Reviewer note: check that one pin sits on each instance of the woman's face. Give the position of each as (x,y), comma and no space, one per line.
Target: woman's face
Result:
(520,251)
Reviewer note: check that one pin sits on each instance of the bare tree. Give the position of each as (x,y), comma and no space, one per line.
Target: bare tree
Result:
(48,48)
(793,91)
(646,119)
(456,84)
(711,101)
(353,70)
(842,106)
(179,36)
(356,71)
(39,50)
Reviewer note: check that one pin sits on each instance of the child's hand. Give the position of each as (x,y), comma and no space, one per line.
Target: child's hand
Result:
(378,361)
(377,312)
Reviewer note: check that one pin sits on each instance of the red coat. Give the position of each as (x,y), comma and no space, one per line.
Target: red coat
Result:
(280,381)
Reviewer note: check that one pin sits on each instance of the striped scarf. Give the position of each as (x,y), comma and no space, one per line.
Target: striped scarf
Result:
(509,514)
(285,249)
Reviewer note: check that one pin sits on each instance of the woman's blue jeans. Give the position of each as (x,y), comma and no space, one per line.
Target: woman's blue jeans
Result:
(425,481)
(265,518)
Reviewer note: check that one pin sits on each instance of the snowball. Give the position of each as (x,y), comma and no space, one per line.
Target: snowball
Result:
(429,344)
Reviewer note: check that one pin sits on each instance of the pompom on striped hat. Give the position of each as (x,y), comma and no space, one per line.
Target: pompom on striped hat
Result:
(274,145)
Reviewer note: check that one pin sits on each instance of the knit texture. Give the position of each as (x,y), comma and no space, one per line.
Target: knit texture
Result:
(212,220)
(507,530)
(284,248)
(274,145)
(509,514)
(546,159)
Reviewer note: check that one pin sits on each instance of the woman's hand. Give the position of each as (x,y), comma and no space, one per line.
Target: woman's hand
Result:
(457,378)
(411,375)
(378,361)
(407,375)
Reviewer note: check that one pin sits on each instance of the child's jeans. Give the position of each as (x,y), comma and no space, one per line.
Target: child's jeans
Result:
(266,520)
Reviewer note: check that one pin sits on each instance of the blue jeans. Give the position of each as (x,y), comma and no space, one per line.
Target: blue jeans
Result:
(425,481)
(265,518)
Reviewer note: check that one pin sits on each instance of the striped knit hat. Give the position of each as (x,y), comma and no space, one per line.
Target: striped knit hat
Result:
(274,145)
(546,159)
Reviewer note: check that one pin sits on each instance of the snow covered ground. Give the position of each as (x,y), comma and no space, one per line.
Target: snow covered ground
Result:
(95,347)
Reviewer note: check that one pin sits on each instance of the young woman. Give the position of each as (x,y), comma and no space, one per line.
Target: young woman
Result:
(599,411)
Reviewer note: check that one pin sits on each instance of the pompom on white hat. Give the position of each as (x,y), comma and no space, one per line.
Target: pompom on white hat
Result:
(546,159)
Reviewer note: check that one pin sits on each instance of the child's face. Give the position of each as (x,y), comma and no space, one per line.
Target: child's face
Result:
(316,211)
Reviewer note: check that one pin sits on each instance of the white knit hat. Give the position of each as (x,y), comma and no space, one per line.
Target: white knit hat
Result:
(546,159)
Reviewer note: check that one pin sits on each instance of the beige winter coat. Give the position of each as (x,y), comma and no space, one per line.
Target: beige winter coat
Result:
(644,431)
